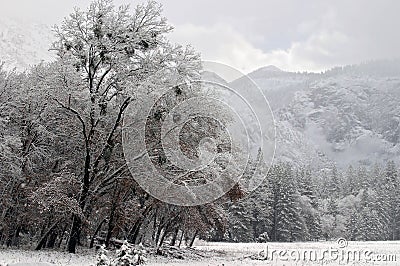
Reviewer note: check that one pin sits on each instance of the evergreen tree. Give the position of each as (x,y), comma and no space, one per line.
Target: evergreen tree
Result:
(102,257)
(287,222)
(309,203)
(334,184)
(240,221)
(364,223)
(392,198)
(352,226)
(363,178)
(350,184)
(250,217)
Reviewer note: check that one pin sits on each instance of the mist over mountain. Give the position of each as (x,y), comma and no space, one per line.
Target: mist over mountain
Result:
(347,115)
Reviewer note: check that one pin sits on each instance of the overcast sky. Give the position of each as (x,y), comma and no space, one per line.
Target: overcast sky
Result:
(290,34)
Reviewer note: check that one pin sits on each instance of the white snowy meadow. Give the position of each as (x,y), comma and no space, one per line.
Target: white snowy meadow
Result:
(381,253)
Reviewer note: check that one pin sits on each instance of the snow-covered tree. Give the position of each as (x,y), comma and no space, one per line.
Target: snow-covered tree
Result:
(129,255)
(102,257)
(308,202)
(115,53)
(287,222)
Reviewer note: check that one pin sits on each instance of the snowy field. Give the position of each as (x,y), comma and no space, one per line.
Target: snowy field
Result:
(31,257)
(310,253)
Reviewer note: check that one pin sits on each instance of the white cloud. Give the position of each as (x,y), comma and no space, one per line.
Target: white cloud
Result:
(291,36)
(223,44)
(220,43)
(323,48)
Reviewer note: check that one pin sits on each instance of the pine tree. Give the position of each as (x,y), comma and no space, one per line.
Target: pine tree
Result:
(391,199)
(250,216)
(288,224)
(125,256)
(334,184)
(352,226)
(350,185)
(240,221)
(309,208)
(363,178)
(260,202)
(367,226)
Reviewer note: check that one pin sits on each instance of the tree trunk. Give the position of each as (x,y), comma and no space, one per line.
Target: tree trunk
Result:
(76,220)
(163,235)
(158,232)
(180,240)
(62,236)
(42,241)
(174,237)
(96,232)
(15,240)
(193,238)
(74,234)
(52,240)
(110,227)
(111,219)
(135,231)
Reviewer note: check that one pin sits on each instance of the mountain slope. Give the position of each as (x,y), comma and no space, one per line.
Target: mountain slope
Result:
(23,44)
(346,115)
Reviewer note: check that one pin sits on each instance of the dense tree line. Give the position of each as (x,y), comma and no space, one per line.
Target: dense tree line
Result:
(299,205)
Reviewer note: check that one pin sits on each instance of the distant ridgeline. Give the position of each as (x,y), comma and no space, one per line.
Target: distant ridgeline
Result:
(388,68)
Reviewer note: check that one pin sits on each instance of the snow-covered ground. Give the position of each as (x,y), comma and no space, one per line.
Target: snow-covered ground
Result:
(45,257)
(354,253)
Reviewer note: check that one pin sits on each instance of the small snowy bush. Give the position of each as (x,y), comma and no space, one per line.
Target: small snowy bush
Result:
(125,256)
(262,238)
(128,255)
(102,258)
